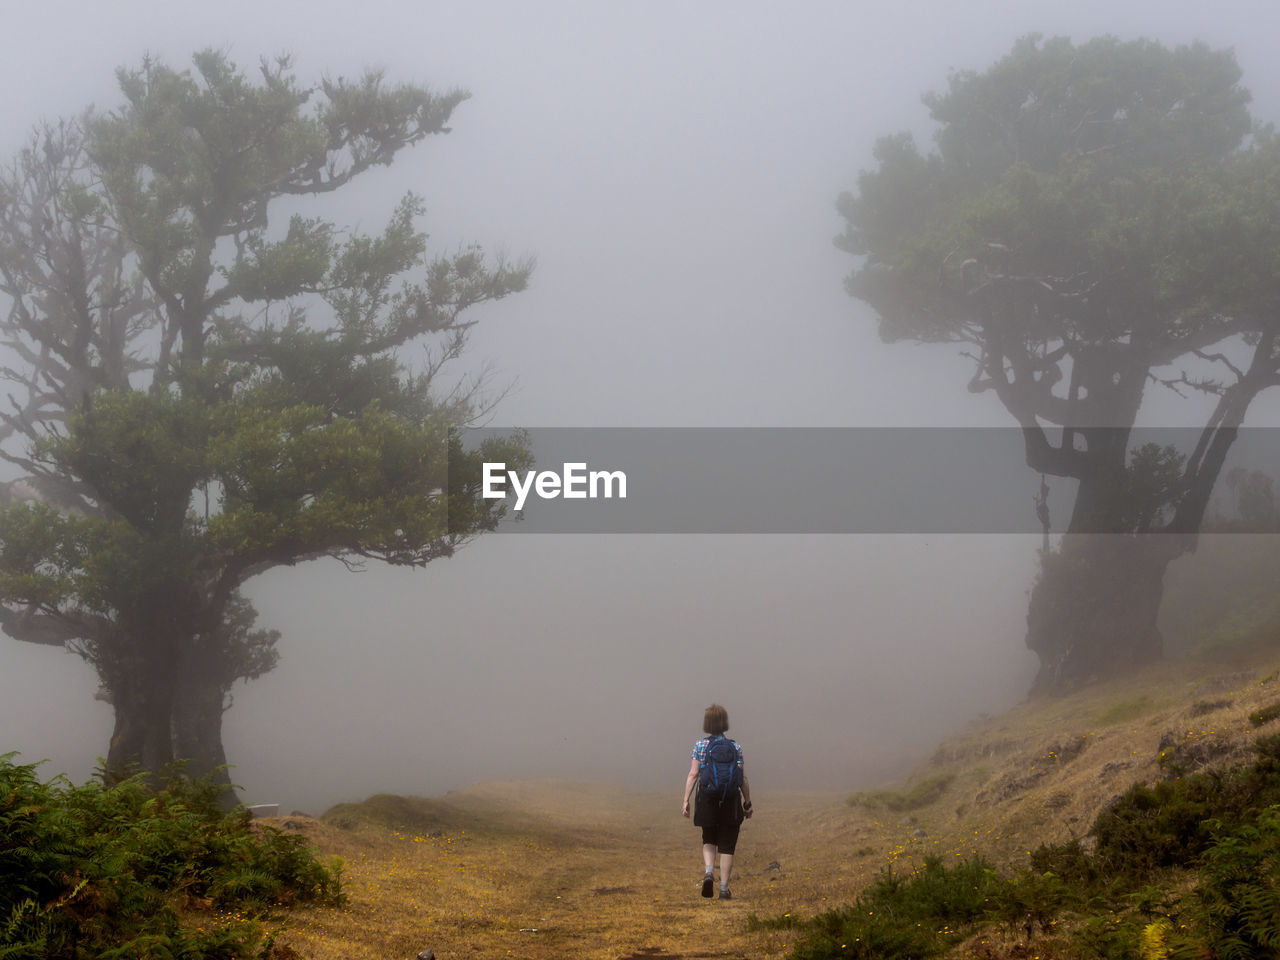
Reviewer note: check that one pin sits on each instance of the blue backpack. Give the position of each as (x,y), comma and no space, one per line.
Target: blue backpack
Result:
(719,776)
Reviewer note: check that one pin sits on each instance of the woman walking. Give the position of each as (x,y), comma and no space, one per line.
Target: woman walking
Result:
(723,798)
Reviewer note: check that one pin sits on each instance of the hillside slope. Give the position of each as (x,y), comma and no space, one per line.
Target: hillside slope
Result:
(1040,772)
(548,869)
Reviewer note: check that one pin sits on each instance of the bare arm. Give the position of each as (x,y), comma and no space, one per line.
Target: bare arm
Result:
(688,786)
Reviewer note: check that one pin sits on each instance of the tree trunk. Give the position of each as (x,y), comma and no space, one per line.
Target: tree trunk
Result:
(171,712)
(1093,608)
(197,718)
(141,679)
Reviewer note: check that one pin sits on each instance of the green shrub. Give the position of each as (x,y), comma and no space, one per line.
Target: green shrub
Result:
(1126,711)
(1149,828)
(920,795)
(104,871)
(1265,715)
(1032,900)
(907,915)
(1070,862)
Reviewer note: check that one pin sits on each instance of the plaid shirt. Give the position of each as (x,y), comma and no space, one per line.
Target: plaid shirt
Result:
(700,750)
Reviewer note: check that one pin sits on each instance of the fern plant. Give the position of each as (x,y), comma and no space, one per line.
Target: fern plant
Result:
(106,870)
(1239,890)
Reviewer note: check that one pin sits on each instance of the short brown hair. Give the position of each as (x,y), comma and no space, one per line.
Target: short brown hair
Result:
(715,720)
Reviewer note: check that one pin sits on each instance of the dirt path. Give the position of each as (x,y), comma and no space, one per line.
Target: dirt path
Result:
(565,871)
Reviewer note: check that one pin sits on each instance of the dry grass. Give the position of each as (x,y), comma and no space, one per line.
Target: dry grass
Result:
(557,870)
(526,880)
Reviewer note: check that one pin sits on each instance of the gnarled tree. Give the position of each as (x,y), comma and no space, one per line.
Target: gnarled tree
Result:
(1095,221)
(198,393)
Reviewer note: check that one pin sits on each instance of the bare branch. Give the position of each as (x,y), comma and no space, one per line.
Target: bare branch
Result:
(1220,358)
(52,628)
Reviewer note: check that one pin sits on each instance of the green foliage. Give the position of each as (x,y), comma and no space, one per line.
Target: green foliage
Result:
(1125,711)
(911,916)
(110,871)
(1149,827)
(1032,901)
(920,794)
(1109,937)
(1265,715)
(1067,157)
(1152,827)
(398,813)
(1069,862)
(1239,892)
(1152,485)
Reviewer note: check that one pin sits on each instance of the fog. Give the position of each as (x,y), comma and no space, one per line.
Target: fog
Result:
(674,169)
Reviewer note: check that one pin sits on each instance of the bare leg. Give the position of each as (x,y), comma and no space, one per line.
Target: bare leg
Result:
(709,859)
(726,868)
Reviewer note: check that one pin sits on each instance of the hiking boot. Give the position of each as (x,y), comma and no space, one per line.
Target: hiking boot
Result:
(707,883)
(725,894)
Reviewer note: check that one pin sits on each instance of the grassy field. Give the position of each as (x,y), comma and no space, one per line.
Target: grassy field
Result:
(548,869)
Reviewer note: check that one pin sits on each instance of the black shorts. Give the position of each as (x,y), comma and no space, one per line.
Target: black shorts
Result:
(720,821)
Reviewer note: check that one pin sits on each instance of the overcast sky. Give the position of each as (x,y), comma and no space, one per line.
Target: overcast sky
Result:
(673,168)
